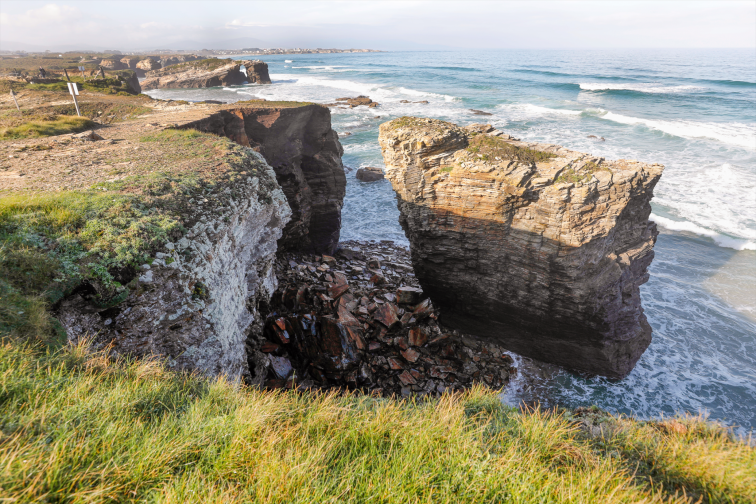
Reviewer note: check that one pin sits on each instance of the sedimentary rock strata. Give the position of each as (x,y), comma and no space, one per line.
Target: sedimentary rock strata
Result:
(207,73)
(198,299)
(534,246)
(305,153)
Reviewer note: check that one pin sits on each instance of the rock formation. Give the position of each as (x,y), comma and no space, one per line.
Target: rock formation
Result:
(353,102)
(207,73)
(130,78)
(369,174)
(305,153)
(113,64)
(199,298)
(130,62)
(537,247)
(147,65)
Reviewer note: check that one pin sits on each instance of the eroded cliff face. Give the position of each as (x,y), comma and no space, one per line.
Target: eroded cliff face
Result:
(305,154)
(537,247)
(199,299)
(206,73)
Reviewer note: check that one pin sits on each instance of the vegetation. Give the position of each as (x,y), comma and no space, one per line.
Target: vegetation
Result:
(53,242)
(55,126)
(582,174)
(78,427)
(491,148)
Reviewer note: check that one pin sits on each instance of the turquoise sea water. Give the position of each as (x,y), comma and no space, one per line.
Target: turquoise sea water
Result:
(692,110)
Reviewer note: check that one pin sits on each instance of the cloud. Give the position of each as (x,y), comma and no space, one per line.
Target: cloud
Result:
(238,23)
(154,25)
(46,15)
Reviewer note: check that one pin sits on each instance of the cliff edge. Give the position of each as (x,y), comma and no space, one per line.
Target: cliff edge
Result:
(207,73)
(534,246)
(305,153)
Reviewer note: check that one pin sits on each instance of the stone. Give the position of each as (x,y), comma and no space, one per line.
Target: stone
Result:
(480,112)
(369,174)
(386,315)
(206,73)
(281,366)
(377,279)
(406,378)
(408,295)
(417,336)
(410,354)
(535,247)
(305,153)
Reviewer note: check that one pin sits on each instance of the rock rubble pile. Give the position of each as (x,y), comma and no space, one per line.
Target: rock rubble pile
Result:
(358,319)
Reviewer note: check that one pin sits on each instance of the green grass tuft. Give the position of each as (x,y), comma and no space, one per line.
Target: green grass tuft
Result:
(489,148)
(58,126)
(78,427)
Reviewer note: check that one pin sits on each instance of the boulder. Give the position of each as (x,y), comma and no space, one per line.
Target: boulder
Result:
(535,247)
(354,102)
(207,73)
(369,174)
(305,154)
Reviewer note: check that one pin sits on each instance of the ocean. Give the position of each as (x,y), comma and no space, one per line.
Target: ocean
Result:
(692,110)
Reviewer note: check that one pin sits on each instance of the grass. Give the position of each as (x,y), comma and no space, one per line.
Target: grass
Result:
(59,125)
(491,148)
(100,236)
(78,427)
(581,174)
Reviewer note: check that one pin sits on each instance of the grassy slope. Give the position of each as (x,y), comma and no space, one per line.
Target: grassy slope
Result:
(78,427)
(51,242)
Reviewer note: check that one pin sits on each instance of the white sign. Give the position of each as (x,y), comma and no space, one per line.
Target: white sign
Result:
(81,68)
(73,89)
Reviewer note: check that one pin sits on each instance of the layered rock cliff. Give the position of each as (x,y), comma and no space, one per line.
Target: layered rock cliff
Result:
(197,300)
(207,73)
(537,247)
(305,154)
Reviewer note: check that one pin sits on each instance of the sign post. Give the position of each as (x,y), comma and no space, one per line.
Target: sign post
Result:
(81,68)
(74,90)
(14,100)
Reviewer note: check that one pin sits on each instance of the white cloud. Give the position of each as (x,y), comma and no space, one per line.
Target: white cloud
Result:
(238,23)
(48,14)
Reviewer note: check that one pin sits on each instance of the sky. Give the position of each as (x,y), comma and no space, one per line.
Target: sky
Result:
(388,25)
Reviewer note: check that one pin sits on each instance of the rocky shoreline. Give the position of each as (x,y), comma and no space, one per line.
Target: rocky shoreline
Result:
(358,320)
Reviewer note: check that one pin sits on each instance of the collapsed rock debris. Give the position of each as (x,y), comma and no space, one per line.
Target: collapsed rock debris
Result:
(359,320)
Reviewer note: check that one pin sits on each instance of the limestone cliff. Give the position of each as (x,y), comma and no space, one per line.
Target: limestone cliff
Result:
(197,301)
(207,73)
(305,153)
(537,247)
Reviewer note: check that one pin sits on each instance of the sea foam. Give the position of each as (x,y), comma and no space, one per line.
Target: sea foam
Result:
(690,227)
(739,134)
(641,88)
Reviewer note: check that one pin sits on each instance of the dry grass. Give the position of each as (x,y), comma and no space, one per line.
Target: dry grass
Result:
(78,427)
